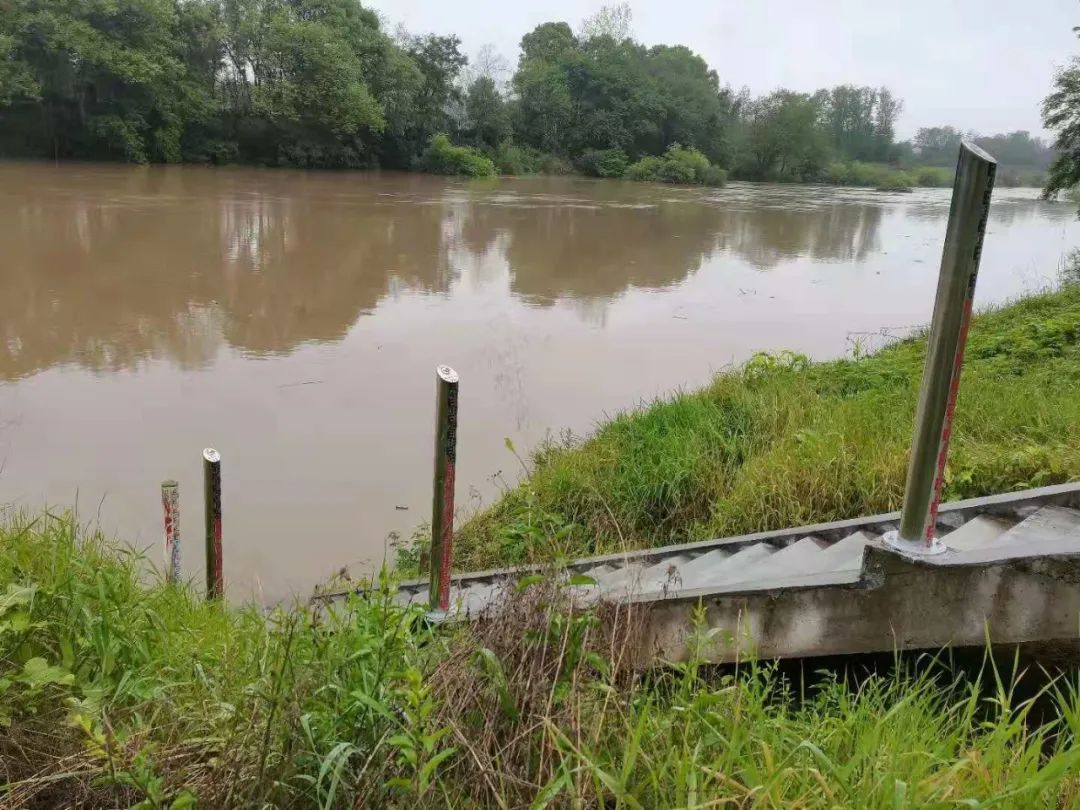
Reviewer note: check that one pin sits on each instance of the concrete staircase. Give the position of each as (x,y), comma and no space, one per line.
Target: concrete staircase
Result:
(787,560)
(1012,568)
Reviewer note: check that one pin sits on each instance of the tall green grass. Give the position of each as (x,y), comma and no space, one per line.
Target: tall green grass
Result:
(783,442)
(121,692)
(113,692)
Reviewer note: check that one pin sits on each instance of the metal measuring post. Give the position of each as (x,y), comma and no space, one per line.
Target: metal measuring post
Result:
(442,506)
(170,504)
(970,208)
(215,579)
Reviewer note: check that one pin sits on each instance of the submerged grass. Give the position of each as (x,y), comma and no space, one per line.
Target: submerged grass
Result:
(118,693)
(782,442)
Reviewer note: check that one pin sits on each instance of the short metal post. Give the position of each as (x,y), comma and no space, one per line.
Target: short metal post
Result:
(970,208)
(442,508)
(170,504)
(215,580)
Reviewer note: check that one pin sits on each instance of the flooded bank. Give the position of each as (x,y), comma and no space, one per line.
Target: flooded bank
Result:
(294,320)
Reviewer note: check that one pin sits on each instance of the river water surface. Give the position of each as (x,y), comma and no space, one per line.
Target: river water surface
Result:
(294,320)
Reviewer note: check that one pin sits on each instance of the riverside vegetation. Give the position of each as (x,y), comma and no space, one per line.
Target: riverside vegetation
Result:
(783,442)
(118,690)
(321,83)
(119,693)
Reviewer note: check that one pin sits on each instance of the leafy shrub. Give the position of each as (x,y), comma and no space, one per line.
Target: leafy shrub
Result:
(514,159)
(548,163)
(691,163)
(442,157)
(125,133)
(603,162)
(898,181)
(678,165)
(714,176)
(674,171)
(648,168)
(872,175)
(509,158)
(932,176)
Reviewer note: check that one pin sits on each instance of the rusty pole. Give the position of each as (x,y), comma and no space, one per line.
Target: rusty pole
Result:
(170,504)
(945,344)
(442,507)
(215,579)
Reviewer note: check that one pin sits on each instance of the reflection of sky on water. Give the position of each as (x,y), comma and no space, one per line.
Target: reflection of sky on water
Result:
(107,265)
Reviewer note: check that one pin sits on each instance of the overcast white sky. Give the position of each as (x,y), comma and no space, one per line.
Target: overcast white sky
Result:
(976,64)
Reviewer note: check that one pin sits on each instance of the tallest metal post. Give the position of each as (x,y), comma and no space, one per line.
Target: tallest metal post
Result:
(442,507)
(945,351)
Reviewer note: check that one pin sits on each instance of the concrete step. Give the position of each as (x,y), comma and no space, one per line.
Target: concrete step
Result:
(626,573)
(710,571)
(598,573)
(844,555)
(475,598)
(982,530)
(666,575)
(786,562)
(1050,526)
(809,562)
(1051,530)
(705,565)
(419,596)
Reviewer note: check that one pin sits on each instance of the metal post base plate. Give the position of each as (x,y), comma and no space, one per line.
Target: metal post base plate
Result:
(913,548)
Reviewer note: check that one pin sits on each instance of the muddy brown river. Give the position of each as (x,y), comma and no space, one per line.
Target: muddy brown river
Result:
(294,320)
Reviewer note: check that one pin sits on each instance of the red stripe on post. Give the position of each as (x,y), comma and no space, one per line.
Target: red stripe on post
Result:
(219,576)
(447,539)
(442,501)
(170,503)
(946,430)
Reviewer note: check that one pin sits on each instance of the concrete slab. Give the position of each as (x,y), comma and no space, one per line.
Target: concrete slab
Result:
(1051,530)
(978,532)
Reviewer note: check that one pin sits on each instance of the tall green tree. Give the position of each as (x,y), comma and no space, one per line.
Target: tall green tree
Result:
(1061,114)
(108,75)
(691,105)
(785,140)
(937,146)
(17,80)
(887,109)
(616,103)
(545,109)
(487,118)
(860,122)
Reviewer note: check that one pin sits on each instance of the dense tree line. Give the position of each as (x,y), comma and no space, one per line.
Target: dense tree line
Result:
(321,83)
(937,146)
(302,82)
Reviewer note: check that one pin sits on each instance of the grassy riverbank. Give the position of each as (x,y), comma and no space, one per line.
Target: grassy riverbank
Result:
(782,442)
(678,165)
(118,693)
